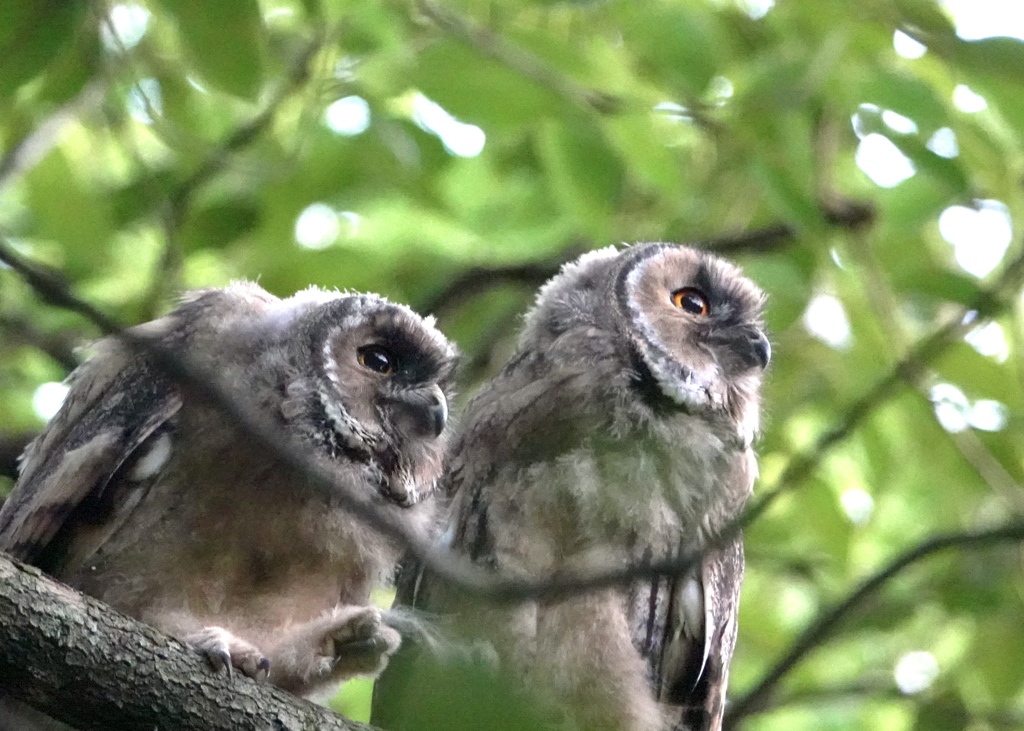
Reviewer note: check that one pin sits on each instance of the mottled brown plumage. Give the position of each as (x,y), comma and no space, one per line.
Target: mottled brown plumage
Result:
(621,429)
(145,496)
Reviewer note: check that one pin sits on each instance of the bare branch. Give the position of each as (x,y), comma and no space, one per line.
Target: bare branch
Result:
(59,347)
(826,624)
(81,662)
(851,216)
(480,279)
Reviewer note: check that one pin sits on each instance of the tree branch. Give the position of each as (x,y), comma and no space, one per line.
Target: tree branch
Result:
(60,347)
(847,215)
(81,662)
(827,622)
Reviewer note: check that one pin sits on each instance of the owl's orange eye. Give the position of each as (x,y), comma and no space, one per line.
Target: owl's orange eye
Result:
(377,359)
(692,300)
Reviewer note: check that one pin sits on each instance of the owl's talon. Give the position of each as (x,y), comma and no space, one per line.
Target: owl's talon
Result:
(223,650)
(221,660)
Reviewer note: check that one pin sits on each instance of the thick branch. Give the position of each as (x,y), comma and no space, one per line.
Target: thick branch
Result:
(83,663)
(826,624)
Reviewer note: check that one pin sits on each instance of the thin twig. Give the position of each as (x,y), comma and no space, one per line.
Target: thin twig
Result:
(825,625)
(852,216)
(60,347)
(481,279)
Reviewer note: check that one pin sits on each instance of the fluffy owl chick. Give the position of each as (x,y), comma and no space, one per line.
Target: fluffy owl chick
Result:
(620,430)
(145,496)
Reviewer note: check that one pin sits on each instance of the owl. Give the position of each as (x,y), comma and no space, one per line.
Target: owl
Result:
(144,495)
(621,430)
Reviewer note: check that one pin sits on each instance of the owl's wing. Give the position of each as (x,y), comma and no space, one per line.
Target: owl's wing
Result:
(526,414)
(690,660)
(113,423)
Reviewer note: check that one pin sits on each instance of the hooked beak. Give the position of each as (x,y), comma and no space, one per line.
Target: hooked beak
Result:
(425,410)
(760,348)
(750,344)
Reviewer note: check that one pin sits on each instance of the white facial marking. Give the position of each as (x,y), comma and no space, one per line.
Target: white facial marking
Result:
(330,364)
(683,391)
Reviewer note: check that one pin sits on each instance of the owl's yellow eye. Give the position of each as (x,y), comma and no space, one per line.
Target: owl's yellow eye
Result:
(377,359)
(691,300)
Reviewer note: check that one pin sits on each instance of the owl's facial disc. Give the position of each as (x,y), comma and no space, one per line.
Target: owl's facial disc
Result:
(695,323)
(384,399)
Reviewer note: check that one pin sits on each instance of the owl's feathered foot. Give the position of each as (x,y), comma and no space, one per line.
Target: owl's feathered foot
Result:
(225,651)
(349,640)
(358,642)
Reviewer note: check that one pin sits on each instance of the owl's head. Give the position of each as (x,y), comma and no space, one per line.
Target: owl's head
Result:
(376,385)
(693,323)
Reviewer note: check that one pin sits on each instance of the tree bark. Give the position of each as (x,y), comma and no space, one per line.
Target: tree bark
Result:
(85,664)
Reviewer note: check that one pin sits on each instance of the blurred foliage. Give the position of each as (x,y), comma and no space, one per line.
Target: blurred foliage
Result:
(153,146)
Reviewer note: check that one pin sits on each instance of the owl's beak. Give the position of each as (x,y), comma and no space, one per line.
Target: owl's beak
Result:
(760,348)
(424,409)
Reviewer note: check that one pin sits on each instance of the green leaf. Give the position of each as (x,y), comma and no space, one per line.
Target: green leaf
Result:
(789,286)
(998,654)
(938,283)
(980,376)
(924,15)
(71,211)
(913,203)
(474,698)
(583,171)
(945,713)
(643,144)
(786,192)
(828,526)
(225,39)
(219,224)
(71,70)
(906,94)
(480,90)
(990,57)
(32,34)
(675,43)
